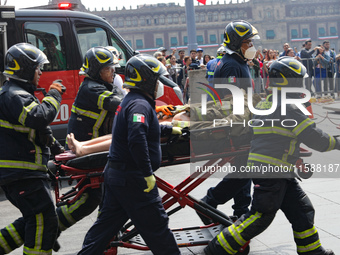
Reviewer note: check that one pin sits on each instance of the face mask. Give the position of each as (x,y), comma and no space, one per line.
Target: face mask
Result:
(250,53)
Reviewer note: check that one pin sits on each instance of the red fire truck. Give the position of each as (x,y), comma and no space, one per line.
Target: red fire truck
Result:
(72,33)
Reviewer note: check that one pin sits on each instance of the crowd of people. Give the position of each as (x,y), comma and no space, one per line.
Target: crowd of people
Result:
(322,63)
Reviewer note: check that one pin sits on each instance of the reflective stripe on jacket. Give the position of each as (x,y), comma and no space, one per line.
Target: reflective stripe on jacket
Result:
(21,115)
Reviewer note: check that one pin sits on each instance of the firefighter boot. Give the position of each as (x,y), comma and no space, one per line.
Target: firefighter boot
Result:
(320,251)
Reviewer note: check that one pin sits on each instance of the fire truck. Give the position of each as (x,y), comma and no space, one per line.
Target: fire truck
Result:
(71,34)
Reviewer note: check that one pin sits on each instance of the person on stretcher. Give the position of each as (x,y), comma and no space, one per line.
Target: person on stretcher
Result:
(103,143)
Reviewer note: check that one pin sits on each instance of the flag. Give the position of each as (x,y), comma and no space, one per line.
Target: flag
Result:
(202,1)
(231,79)
(138,118)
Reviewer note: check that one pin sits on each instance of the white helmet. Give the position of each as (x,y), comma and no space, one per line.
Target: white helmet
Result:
(221,51)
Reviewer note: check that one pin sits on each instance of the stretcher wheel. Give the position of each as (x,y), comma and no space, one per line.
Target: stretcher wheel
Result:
(305,171)
(245,251)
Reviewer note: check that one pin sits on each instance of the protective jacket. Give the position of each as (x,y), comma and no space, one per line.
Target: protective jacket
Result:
(21,115)
(136,133)
(232,69)
(278,142)
(94,103)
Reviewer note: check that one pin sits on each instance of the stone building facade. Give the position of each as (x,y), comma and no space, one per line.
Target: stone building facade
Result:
(278,21)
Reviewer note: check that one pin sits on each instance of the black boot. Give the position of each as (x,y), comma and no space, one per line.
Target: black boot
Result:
(320,251)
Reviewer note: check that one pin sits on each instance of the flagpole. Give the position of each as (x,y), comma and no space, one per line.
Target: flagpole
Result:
(191,25)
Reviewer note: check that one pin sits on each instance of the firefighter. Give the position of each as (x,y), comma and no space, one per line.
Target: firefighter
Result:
(92,116)
(96,98)
(233,69)
(24,152)
(130,186)
(278,145)
(211,65)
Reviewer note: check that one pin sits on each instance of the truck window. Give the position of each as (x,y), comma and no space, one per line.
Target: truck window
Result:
(122,53)
(49,38)
(89,37)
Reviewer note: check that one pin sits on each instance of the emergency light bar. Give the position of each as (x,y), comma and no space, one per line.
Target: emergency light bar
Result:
(64,5)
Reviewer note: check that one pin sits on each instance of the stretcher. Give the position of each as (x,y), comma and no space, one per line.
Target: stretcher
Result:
(68,167)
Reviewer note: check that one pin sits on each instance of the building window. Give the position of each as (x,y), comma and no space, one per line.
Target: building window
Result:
(305,32)
(156,21)
(243,14)
(200,39)
(210,17)
(322,31)
(114,22)
(235,15)
(333,31)
(270,34)
(212,38)
(129,42)
(142,21)
(121,22)
(175,20)
(228,15)
(268,14)
(185,40)
(128,22)
(162,20)
(135,22)
(222,38)
(202,17)
(173,41)
(169,19)
(294,33)
(139,43)
(197,17)
(215,16)
(159,42)
(183,19)
(148,21)
(223,16)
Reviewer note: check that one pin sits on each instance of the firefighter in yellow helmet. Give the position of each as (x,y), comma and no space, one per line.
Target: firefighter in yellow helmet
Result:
(24,141)
(130,186)
(277,146)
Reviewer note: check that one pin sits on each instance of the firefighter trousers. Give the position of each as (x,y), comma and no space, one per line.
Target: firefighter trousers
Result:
(69,214)
(37,229)
(269,196)
(230,187)
(124,198)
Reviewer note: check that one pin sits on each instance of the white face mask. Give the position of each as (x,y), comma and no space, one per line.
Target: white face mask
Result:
(250,53)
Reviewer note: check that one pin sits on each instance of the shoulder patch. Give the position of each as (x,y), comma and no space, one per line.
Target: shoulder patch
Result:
(231,79)
(137,117)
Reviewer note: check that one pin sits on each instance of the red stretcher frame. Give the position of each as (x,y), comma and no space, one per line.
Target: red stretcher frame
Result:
(173,194)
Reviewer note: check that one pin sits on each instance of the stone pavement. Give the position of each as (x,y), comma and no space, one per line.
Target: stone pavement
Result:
(323,191)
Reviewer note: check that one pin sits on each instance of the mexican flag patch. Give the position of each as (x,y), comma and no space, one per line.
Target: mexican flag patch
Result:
(232,79)
(138,118)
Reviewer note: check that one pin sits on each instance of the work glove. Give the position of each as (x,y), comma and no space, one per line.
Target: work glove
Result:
(165,109)
(58,86)
(337,140)
(45,137)
(176,131)
(150,182)
(56,148)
